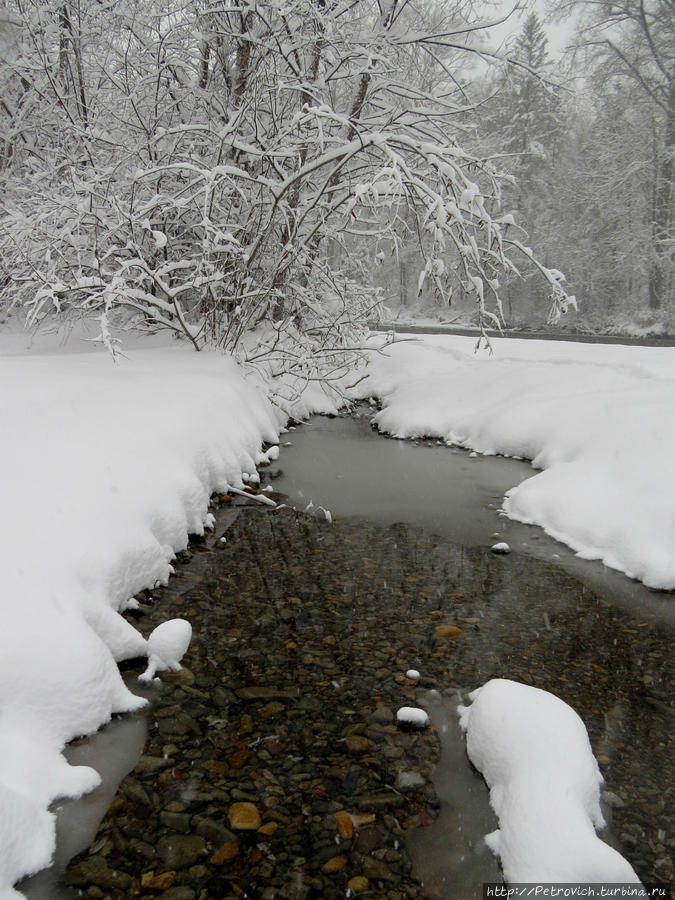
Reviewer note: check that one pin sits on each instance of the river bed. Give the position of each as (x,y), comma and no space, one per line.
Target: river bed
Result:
(303,630)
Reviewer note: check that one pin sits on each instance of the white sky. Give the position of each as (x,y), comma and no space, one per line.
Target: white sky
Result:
(558,33)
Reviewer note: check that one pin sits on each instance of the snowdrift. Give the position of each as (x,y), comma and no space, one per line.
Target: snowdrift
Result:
(599,420)
(104,472)
(534,753)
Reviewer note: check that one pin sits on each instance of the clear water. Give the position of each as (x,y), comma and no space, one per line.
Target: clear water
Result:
(345,466)
(451,858)
(113,752)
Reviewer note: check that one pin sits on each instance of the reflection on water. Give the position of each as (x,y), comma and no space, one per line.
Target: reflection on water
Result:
(598,639)
(451,858)
(345,466)
(113,752)
(383,589)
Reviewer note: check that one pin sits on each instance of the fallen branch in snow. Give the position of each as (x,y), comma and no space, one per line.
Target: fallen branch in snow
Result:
(259,497)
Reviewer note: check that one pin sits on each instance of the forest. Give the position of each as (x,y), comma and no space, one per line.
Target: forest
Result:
(295,167)
(272,182)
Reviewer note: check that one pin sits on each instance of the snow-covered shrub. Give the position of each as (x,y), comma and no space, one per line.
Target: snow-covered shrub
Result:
(212,171)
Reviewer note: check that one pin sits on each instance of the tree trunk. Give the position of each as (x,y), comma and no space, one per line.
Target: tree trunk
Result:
(661,268)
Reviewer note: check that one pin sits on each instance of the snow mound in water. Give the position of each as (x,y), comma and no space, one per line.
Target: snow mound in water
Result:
(534,753)
(166,647)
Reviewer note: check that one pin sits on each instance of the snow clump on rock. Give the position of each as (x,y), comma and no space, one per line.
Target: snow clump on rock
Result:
(166,647)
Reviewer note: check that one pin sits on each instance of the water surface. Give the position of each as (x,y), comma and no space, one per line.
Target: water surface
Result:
(345,466)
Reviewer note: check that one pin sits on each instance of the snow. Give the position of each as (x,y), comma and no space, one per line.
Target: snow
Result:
(534,753)
(412,715)
(104,471)
(105,468)
(500,547)
(598,419)
(167,645)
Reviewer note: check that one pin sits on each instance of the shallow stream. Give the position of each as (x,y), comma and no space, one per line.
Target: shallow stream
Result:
(337,613)
(344,465)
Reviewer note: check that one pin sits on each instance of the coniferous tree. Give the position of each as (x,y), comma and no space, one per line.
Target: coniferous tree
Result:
(523,125)
(630,47)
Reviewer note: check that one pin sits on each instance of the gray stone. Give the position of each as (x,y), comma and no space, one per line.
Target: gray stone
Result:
(149,765)
(376,869)
(379,800)
(611,799)
(214,832)
(95,871)
(181,724)
(409,781)
(357,744)
(382,714)
(141,849)
(135,791)
(369,839)
(177,821)
(177,893)
(262,692)
(181,851)
(223,697)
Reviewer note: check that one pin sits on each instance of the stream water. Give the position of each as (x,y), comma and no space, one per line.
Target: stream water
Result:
(409,546)
(344,465)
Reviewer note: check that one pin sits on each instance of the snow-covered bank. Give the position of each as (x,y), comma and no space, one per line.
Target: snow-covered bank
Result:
(104,470)
(600,420)
(534,753)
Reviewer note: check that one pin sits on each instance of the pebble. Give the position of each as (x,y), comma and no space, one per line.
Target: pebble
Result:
(409,781)
(244,817)
(358,744)
(345,825)
(382,714)
(225,853)
(376,870)
(412,716)
(158,882)
(334,864)
(448,631)
(307,735)
(180,851)
(95,871)
(176,821)
(178,893)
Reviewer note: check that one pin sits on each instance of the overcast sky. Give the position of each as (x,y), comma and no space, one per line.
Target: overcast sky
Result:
(558,33)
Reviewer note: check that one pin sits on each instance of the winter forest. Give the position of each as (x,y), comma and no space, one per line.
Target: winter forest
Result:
(300,165)
(286,185)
